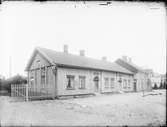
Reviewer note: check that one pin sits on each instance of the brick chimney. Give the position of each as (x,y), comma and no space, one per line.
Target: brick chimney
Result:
(104,58)
(82,52)
(65,48)
(130,60)
(125,58)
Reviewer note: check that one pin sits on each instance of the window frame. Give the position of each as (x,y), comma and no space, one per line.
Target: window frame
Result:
(43,76)
(129,83)
(112,80)
(32,78)
(82,86)
(73,85)
(124,83)
(106,79)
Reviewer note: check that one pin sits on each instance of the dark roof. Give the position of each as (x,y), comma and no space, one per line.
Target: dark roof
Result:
(67,59)
(129,65)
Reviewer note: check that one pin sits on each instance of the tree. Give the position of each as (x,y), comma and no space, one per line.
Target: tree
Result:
(161,86)
(155,86)
(164,86)
(17,79)
(2,82)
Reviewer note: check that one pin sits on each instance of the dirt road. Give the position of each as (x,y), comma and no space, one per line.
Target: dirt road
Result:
(116,109)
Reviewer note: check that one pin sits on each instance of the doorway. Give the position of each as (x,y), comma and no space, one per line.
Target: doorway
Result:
(135,86)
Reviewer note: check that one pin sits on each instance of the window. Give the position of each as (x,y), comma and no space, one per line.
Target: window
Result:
(82,82)
(47,82)
(124,83)
(112,82)
(38,61)
(35,77)
(43,76)
(106,82)
(70,82)
(31,78)
(128,83)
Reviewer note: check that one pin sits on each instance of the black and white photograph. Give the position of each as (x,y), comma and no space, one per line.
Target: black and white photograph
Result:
(82,63)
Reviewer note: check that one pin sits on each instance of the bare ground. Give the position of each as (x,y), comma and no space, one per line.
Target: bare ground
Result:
(115,109)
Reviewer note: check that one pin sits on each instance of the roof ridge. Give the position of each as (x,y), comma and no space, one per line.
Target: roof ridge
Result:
(86,57)
(133,64)
(61,58)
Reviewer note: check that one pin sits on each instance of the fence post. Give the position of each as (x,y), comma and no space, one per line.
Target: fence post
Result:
(27,92)
(11,90)
(17,89)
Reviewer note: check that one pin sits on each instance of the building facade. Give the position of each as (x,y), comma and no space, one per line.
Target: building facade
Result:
(62,73)
(157,79)
(142,80)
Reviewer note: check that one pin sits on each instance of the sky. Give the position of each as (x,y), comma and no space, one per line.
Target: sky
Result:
(137,30)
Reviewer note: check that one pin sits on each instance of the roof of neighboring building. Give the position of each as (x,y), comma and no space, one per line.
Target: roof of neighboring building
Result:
(67,59)
(129,65)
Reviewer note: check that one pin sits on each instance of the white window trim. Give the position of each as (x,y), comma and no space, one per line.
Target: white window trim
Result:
(113,81)
(80,85)
(73,85)
(105,83)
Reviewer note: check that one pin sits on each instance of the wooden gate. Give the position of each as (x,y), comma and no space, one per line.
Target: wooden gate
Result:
(18,90)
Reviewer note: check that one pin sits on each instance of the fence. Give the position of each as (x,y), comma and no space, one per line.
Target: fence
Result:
(27,92)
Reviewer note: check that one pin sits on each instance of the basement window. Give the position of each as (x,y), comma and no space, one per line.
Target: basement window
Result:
(70,82)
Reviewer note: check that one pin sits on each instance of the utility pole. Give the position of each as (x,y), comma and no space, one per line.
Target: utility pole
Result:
(10,66)
(143,87)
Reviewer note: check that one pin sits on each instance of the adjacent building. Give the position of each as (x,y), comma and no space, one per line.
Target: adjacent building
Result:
(163,79)
(157,79)
(142,80)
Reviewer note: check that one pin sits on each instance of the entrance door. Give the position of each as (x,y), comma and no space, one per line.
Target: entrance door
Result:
(96,84)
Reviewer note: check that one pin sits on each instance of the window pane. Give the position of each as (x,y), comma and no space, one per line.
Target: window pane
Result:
(70,82)
(43,76)
(81,81)
(128,83)
(106,83)
(35,77)
(32,78)
(112,83)
(125,83)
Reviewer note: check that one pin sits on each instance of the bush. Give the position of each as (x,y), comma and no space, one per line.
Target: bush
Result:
(161,86)
(6,84)
(6,87)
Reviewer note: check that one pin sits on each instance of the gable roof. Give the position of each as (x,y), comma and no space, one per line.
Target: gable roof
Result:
(67,59)
(129,65)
